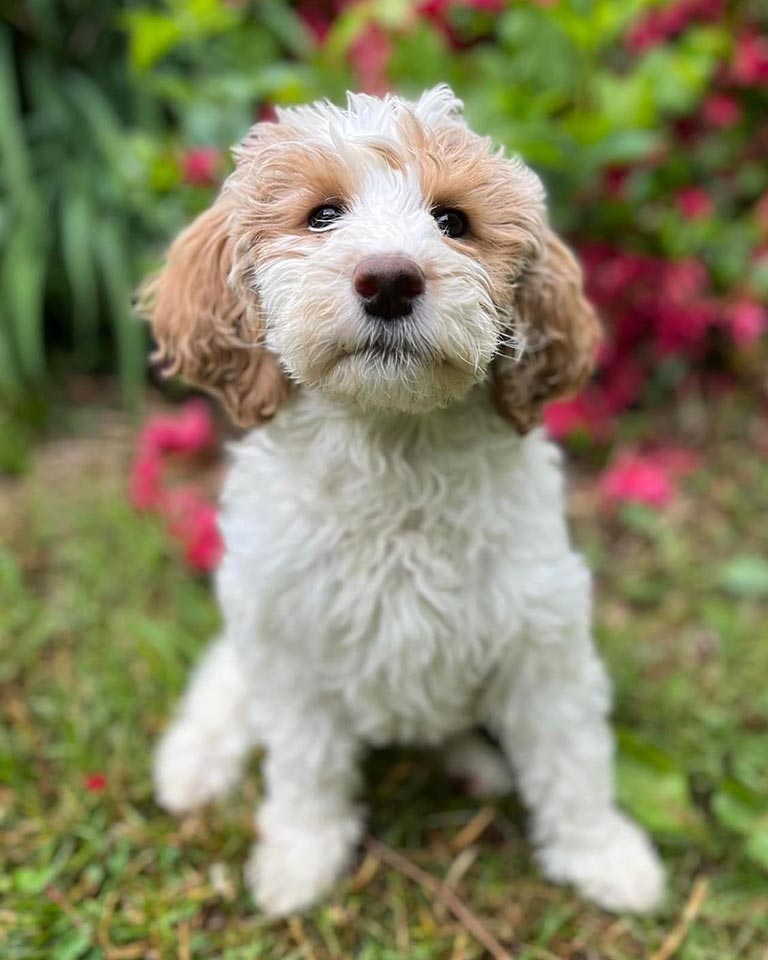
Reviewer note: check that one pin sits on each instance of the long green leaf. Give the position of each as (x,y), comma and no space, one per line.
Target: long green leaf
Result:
(115,256)
(77,219)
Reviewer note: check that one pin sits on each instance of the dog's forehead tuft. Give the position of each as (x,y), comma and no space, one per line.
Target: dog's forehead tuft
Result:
(365,115)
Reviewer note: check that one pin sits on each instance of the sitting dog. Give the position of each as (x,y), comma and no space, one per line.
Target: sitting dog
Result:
(377,288)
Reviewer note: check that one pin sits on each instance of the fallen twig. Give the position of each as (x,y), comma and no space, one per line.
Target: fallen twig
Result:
(678,933)
(442,892)
(476,826)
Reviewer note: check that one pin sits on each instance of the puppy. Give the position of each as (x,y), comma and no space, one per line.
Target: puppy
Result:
(378,290)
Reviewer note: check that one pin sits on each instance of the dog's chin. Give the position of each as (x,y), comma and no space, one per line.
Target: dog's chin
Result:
(398,381)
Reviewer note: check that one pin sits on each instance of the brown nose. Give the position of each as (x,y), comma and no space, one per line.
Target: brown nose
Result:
(388,285)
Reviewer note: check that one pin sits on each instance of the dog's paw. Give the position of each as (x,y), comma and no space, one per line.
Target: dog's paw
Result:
(479,767)
(292,869)
(615,867)
(192,768)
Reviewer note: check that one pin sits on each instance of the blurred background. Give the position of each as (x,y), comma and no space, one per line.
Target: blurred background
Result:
(648,122)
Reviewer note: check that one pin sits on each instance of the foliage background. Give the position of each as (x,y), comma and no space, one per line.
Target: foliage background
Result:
(648,122)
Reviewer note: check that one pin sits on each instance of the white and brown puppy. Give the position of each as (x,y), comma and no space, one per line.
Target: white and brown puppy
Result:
(377,289)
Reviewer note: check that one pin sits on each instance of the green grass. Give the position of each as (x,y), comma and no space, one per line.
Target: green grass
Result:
(100,622)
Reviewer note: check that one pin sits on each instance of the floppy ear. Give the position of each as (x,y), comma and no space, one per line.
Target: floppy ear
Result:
(560,334)
(204,332)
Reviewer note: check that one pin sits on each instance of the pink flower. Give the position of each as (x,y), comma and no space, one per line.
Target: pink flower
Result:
(96,782)
(189,431)
(583,414)
(721,111)
(192,521)
(632,478)
(679,462)
(145,482)
(694,203)
(664,23)
(683,280)
(370,55)
(200,166)
(750,60)
(190,518)
(747,320)
(204,549)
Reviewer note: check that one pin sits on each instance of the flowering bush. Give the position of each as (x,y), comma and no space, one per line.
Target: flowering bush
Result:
(645,119)
(190,517)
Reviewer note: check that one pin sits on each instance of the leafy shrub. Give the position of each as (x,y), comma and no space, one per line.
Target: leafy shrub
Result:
(645,119)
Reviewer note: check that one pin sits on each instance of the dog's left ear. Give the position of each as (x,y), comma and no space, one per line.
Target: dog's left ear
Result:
(205,332)
(559,333)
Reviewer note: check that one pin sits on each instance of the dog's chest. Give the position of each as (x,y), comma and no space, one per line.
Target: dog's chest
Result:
(405,634)
(395,565)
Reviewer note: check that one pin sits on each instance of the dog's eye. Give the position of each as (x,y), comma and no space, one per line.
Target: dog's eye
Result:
(451,223)
(323,217)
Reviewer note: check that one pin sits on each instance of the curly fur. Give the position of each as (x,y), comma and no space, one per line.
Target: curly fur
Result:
(397,567)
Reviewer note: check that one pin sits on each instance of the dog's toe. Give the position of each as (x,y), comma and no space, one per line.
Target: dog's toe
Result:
(616,867)
(292,870)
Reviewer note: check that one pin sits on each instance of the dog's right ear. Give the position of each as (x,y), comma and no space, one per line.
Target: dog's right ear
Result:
(204,332)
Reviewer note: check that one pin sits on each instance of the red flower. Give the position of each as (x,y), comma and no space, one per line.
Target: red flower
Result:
(96,782)
(750,60)
(623,383)
(747,320)
(370,55)
(694,203)
(583,414)
(201,166)
(683,280)
(204,549)
(632,478)
(615,181)
(721,111)
(677,461)
(668,21)
(145,482)
(761,214)
(647,478)
(188,431)
(192,521)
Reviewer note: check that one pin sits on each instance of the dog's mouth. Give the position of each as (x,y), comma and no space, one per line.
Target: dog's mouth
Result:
(388,353)
(392,350)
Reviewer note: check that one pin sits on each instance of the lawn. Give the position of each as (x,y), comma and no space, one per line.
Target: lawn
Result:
(100,621)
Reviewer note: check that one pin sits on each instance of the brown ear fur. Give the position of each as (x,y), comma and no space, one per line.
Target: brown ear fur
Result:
(562,332)
(204,333)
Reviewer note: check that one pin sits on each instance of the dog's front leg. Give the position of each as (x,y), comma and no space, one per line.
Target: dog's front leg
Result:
(550,710)
(202,753)
(309,823)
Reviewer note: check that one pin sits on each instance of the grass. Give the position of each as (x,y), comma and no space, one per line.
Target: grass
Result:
(100,622)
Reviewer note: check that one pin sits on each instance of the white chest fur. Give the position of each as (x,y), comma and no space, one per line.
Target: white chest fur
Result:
(392,555)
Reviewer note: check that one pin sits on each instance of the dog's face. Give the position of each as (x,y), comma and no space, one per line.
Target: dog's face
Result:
(382,254)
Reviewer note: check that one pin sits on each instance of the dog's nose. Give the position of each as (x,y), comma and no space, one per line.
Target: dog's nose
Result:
(388,285)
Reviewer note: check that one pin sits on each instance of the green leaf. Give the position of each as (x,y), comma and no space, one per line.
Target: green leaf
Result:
(654,788)
(739,807)
(150,37)
(756,847)
(745,576)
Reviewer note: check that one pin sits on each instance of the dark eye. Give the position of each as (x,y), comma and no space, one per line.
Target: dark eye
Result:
(452,223)
(323,217)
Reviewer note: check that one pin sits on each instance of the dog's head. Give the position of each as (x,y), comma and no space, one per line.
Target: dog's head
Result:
(382,254)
